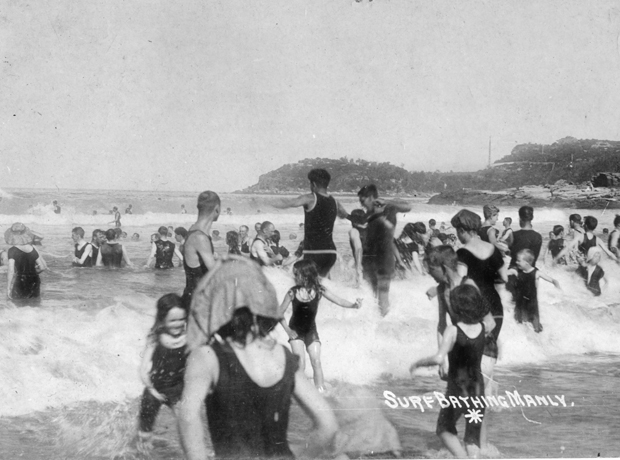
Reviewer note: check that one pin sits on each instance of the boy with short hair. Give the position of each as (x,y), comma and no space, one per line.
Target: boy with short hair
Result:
(526,289)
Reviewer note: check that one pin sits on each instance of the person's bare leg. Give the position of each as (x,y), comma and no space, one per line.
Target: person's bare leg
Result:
(299,348)
(487,366)
(314,351)
(453,444)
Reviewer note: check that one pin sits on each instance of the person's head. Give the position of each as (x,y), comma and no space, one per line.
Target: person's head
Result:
(526,215)
(77,234)
(135,237)
(163,231)
(155,237)
(507,222)
(465,222)
(232,239)
(306,275)
(208,204)
(590,223)
(245,327)
(54,202)
(617,221)
(558,231)
(115,208)
(243,232)
(124,235)
(594,256)
(301,225)
(276,236)
(367,195)
(440,260)
(319,179)
(110,234)
(171,316)
(129,206)
(525,259)
(267,229)
(170,231)
(605,231)
(574,220)
(182,206)
(357,217)
(216,233)
(468,304)
(180,233)
(98,236)
(119,232)
(293,236)
(257,226)
(432,223)
(490,212)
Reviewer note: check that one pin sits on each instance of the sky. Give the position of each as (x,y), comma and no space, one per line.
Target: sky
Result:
(197,95)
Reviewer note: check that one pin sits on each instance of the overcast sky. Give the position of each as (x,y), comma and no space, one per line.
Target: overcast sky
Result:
(207,94)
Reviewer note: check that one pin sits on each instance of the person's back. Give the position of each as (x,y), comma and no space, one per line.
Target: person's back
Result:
(27,281)
(198,268)
(464,374)
(111,254)
(249,419)
(525,239)
(79,252)
(164,254)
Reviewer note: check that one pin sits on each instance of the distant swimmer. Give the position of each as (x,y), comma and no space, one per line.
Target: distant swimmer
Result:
(163,251)
(117,217)
(244,240)
(56,206)
(216,235)
(183,210)
(198,254)
(94,212)
(83,249)
(180,233)
(261,250)
(112,253)
(135,237)
(257,226)
(320,211)
(129,209)
(124,235)
(229,212)
(24,262)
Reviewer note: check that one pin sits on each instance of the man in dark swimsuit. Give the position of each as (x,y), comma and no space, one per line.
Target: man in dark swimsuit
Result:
(526,238)
(261,251)
(582,242)
(198,249)
(163,250)
(83,249)
(321,210)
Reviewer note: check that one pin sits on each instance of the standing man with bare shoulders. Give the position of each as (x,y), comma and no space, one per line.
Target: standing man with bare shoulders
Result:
(198,251)
(321,210)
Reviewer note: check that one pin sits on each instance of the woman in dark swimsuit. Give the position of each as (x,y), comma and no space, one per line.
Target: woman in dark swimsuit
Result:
(245,377)
(24,264)
(112,253)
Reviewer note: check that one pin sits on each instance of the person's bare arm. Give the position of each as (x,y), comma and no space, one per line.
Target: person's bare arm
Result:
(126,257)
(340,301)
(301,200)
(547,278)
(177,252)
(201,371)
(613,243)
(99,262)
(9,278)
(283,307)
(448,341)
(356,243)
(572,245)
(342,213)
(607,251)
(398,204)
(322,416)
(203,248)
(151,255)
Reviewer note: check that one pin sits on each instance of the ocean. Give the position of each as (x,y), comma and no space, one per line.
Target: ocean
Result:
(69,377)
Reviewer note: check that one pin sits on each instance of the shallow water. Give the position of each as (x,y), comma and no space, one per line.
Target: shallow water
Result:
(69,363)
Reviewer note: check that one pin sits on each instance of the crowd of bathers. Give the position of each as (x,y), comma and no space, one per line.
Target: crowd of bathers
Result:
(213,343)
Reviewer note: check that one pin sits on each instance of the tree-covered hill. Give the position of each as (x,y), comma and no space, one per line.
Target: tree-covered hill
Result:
(570,159)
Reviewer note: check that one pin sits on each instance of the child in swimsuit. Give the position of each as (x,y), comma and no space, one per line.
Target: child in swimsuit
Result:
(526,289)
(301,329)
(463,343)
(163,362)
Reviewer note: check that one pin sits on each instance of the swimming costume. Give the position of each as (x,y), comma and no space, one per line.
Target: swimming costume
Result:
(303,319)
(94,254)
(246,420)
(483,233)
(167,375)
(163,254)
(525,239)
(526,297)
(465,380)
(27,283)
(586,244)
(193,274)
(593,285)
(267,250)
(484,274)
(111,254)
(88,262)
(245,248)
(556,246)
(319,225)
(609,241)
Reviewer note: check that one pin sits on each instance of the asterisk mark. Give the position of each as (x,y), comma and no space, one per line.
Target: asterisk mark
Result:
(474,416)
